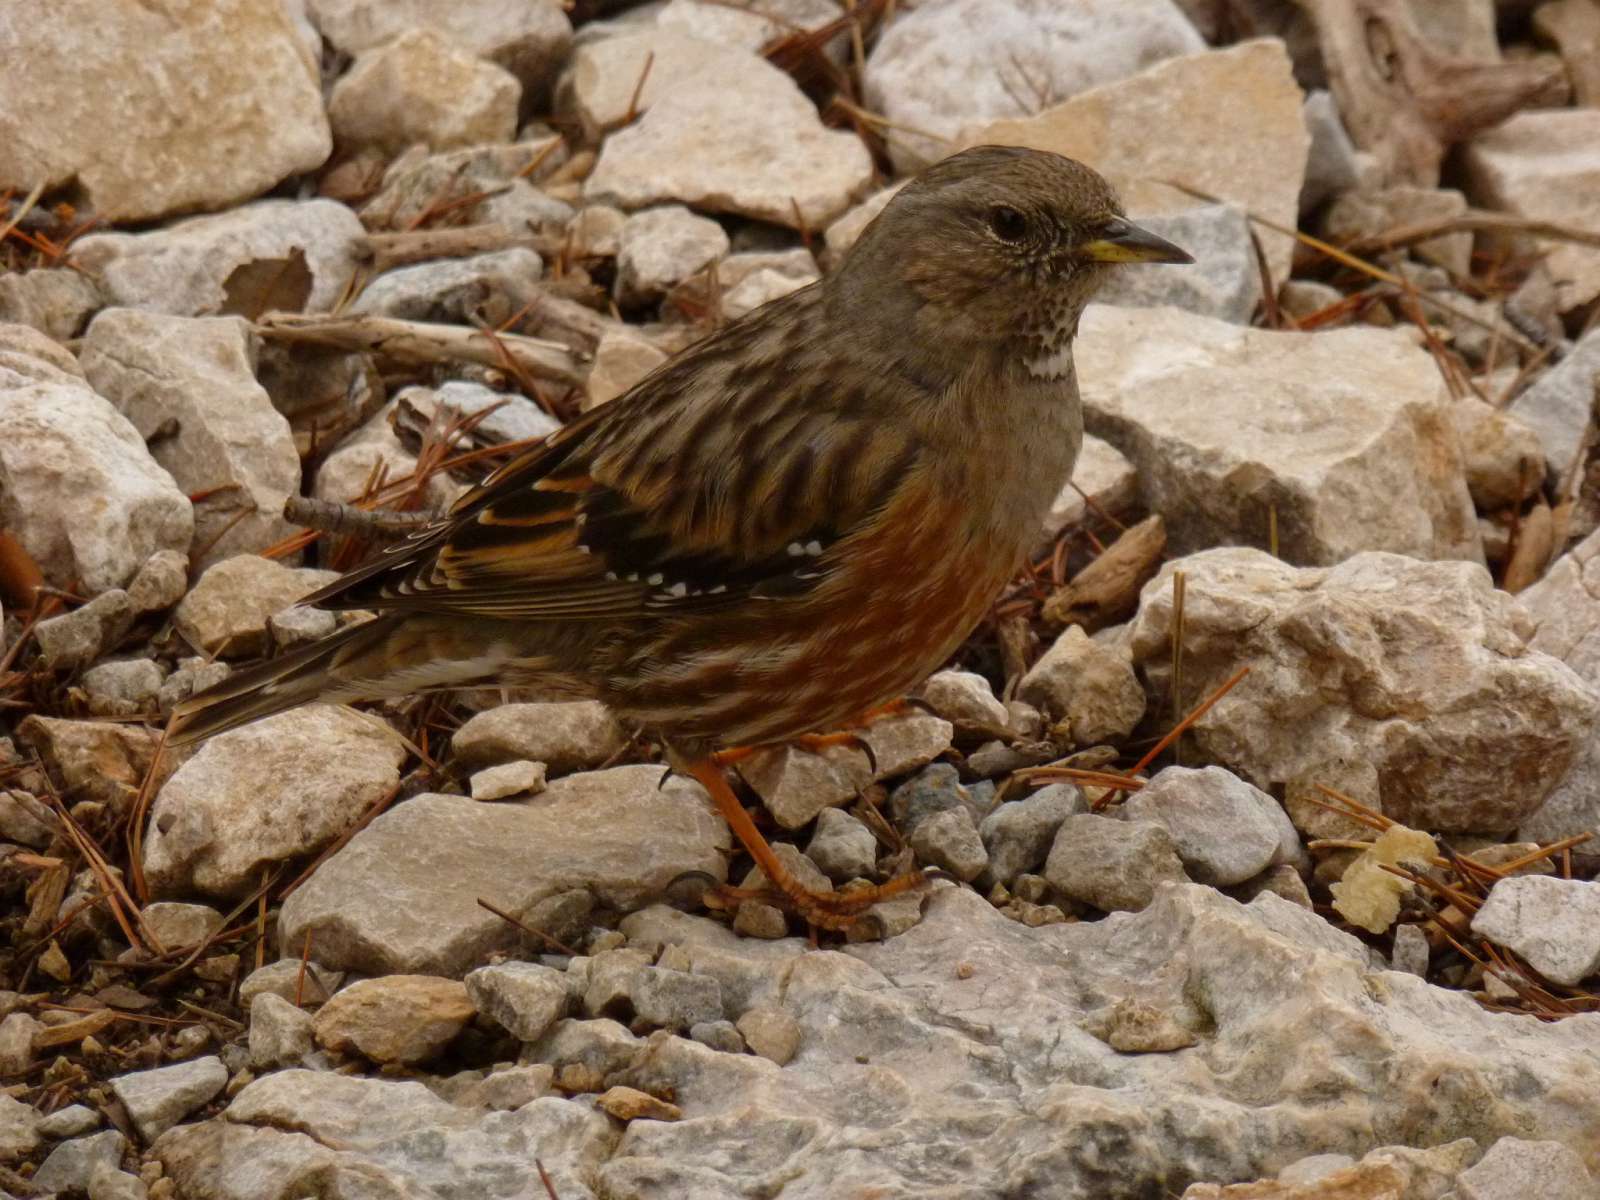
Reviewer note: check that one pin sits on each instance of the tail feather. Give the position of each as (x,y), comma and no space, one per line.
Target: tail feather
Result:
(348,665)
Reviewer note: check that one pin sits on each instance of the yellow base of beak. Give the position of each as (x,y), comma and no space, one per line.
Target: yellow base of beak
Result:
(1124,242)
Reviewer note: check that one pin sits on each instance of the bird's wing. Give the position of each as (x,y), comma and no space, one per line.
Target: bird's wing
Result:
(691,492)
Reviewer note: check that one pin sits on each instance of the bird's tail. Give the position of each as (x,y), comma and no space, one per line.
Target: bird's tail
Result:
(334,668)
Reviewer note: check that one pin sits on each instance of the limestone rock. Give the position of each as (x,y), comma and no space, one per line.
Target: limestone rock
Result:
(1514,1167)
(179,924)
(737,136)
(54,300)
(402,894)
(488,288)
(1553,923)
(1545,164)
(200,373)
(842,847)
(659,247)
(271,791)
(967,1013)
(1109,864)
(529,38)
(185,267)
(1225,830)
(1226,122)
(1019,834)
(1503,458)
(422,87)
(750,24)
(395,1018)
(621,360)
(158,1099)
(941,67)
(1224,281)
(71,1165)
(226,611)
(95,760)
(281,1035)
(525,999)
(576,735)
(1368,212)
(1561,403)
(79,490)
(191,130)
(845,230)
(77,638)
(963,697)
(1405,684)
(1088,683)
(1345,434)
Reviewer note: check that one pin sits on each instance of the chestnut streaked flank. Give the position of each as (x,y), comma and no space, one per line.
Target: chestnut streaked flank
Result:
(794,521)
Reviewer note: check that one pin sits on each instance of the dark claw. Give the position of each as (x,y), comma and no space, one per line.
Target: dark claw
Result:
(666,774)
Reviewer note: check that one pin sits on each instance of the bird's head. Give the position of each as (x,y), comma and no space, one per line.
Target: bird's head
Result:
(998,246)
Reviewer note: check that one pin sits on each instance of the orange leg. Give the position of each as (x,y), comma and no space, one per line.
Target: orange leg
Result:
(829,910)
(851,735)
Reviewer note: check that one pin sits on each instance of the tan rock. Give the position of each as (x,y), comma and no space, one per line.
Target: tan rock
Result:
(190,130)
(736,136)
(1346,434)
(1545,164)
(395,1018)
(630,1104)
(1225,122)
(422,88)
(226,611)
(621,360)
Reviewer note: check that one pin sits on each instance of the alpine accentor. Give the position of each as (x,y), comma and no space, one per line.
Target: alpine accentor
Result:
(794,521)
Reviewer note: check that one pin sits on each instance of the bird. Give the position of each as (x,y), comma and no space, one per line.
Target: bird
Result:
(793,522)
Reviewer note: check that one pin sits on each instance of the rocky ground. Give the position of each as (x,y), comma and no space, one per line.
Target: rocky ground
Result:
(1267,795)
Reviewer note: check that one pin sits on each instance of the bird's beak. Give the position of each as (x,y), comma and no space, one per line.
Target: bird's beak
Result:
(1122,241)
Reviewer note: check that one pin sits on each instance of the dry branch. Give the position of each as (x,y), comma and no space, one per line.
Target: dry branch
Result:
(422,342)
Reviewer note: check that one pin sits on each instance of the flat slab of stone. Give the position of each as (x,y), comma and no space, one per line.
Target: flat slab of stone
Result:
(402,896)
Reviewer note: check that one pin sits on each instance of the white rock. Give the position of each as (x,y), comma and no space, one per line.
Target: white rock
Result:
(374,454)
(1553,923)
(749,24)
(1226,122)
(185,267)
(621,360)
(70,1121)
(71,1165)
(1223,282)
(275,790)
(965,697)
(606,81)
(157,1100)
(659,247)
(53,300)
(950,840)
(1346,434)
(842,847)
(757,289)
(122,687)
(965,1012)
(1112,865)
(191,130)
(280,1033)
(393,1138)
(486,288)
(738,136)
(1514,1168)
(79,490)
(529,38)
(520,778)
(200,373)
(1366,212)
(394,1018)
(514,419)
(226,611)
(1545,164)
(1405,684)
(1226,831)
(417,180)
(19,1126)
(1560,405)
(421,87)
(1088,683)
(30,356)
(1018,834)
(573,736)
(525,999)
(402,894)
(943,66)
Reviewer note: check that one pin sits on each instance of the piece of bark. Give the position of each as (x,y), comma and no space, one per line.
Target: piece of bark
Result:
(1407,103)
(1107,589)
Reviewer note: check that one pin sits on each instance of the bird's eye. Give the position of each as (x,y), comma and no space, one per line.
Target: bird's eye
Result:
(1008,224)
